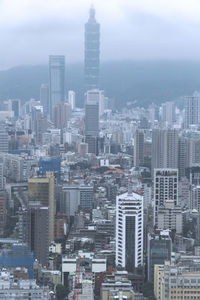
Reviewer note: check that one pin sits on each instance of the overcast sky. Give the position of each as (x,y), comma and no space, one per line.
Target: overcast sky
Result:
(30,30)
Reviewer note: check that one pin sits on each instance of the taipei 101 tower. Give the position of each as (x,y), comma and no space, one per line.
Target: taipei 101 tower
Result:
(92,52)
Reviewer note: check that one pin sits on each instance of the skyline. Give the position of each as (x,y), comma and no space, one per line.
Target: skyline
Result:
(147,30)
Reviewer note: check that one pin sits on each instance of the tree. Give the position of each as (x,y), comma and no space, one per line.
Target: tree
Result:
(61,292)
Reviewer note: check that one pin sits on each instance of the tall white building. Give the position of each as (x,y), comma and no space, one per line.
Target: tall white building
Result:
(129,231)
(165,188)
(192,110)
(168,112)
(164,149)
(72,99)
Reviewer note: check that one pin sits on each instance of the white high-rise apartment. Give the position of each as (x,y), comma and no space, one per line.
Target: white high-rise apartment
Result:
(72,99)
(168,112)
(192,110)
(129,231)
(164,149)
(165,188)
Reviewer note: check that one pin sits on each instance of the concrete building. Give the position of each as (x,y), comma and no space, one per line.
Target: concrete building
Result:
(62,114)
(92,52)
(56,81)
(168,113)
(3,140)
(192,110)
(72,99)
(41,189)
(139,148)
(159,250)
(17,289)
(90,262)
(165,188)
(170,217)
(44,98)
(117,286)
(14,105)
(178,281)
(129,231)
(164,149)
(39,232)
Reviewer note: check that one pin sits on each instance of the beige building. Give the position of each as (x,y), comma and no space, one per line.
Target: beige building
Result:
(41,189)
(179,281)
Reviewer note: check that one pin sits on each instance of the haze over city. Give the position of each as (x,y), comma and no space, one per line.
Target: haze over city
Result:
(131,30)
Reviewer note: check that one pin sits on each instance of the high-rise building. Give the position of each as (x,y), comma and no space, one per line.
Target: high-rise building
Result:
(3,140)
(44,98)
(92,120)
(129,231)
(138,148)
(56,81)
(41,189)
(92,52)
(92,113)
(183,153)
(39,232)
(192,110)
(165,188)
(159,250)
(164,149)
(14,105)
(62,113)
(168,112)
(72,99)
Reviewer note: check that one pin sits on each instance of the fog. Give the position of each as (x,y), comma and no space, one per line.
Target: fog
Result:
(30,30)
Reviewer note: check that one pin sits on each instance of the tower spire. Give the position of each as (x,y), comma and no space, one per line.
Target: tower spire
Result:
(92,12)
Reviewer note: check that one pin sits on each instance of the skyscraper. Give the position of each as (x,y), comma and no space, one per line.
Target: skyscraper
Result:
(164,149)
(192,110)
(92,120)
(41,189)
(56,81)
(92,52)
(165,188)
(129,231)
(138,148)
(44,98)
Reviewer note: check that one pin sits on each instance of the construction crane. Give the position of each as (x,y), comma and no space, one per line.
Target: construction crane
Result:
(77,279)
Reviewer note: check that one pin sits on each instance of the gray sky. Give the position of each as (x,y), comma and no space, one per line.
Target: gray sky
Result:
(30,30)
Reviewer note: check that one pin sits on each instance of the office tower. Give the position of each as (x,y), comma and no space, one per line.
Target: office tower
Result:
(41,189)
(101,103)
(158,251)
(168,112)
(38,232)
(165,188)
(183,153)
(195,198)
(14,105)
(139,148)
(164,149)
(56,81)
(129,231)
(44,98)
(62,113)
(86,197)
(92,120)
(92,52)
(3,140)
(72,99)
(192,111)
(194,152)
